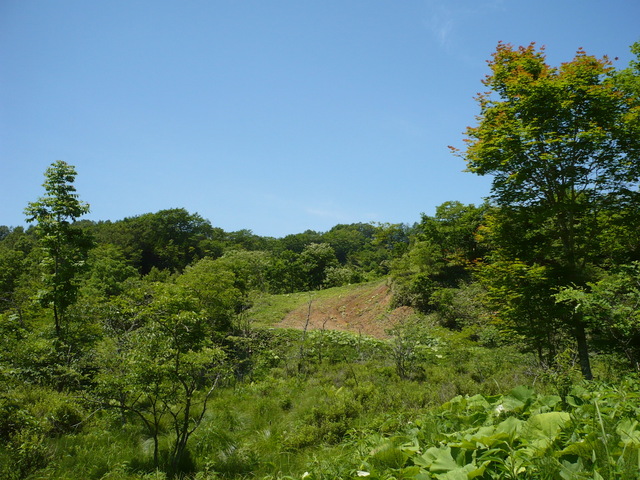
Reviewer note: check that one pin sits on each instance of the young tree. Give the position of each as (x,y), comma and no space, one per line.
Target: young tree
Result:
(440,253)
(212,285)
(65,246)
(161,365)
(563,146)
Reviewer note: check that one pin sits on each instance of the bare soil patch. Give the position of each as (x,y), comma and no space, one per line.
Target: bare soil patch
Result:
(364,310)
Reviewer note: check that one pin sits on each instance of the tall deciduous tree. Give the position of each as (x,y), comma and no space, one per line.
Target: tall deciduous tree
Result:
(562,144)
(65,246)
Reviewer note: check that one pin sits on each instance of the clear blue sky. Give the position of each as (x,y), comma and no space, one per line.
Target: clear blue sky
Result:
(274,116)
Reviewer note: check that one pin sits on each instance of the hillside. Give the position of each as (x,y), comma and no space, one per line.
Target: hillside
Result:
(362,308)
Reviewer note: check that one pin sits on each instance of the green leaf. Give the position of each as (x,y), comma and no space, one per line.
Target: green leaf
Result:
(541,430)
(628,432)
(510,426)
(546,402)
(464,472)
(549,423)
(522,393)
(439,459)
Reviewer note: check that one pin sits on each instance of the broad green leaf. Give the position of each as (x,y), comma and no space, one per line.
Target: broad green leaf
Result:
(522,393)
(413,472)
(628,432)
(509,404)
(438,459)
(545,403)
(479,471)
(464,472)
(478,401)
(510,426)
(549,423)
(581,448)
(570,470)
(476,439)
(542,429)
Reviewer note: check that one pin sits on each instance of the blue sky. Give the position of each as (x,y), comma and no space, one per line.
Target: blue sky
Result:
(274,116)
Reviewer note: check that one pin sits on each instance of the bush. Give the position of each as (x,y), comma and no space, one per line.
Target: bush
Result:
(29,418)
(327,422)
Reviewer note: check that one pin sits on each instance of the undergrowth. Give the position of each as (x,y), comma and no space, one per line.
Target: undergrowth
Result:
(428,403)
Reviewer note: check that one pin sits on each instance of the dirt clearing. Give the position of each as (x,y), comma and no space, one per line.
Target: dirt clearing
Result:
(365,310)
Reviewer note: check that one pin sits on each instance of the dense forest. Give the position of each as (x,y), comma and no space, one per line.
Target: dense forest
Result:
(151,347)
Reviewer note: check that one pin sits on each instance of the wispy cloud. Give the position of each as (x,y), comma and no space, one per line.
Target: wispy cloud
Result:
(440,20)
(441,25)
(445,17)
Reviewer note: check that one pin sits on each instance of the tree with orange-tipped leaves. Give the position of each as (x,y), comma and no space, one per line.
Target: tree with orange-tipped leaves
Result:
(563,147)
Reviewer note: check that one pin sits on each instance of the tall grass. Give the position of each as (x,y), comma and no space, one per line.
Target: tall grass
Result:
(351,409)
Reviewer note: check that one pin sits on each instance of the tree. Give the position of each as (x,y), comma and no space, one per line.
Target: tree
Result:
(414,275)
(314,261)
(65,246)
(161,366)
(108,271)
(167,240)
(10,267)
(440,253)
(611,308)
(563,146)
(520,300)
(347,240)
(212,285)
(394,238)
(454,228)
(249,268)
(299,241)
(284,273)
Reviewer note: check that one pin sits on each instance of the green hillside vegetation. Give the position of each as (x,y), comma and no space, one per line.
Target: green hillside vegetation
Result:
(493,341)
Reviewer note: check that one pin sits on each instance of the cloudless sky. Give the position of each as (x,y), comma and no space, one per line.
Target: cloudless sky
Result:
(270,115)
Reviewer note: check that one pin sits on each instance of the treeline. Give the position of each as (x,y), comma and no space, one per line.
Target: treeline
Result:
(451,265)
(170,240)
(440,250)
(165,243)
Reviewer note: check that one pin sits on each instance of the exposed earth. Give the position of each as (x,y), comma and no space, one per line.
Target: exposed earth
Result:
(365,310)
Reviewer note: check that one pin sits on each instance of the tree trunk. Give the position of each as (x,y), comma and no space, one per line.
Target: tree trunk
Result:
(56,320)
(583,350)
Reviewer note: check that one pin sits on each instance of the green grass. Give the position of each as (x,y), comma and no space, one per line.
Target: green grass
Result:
(332,403)
(284,422)
(338,417)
